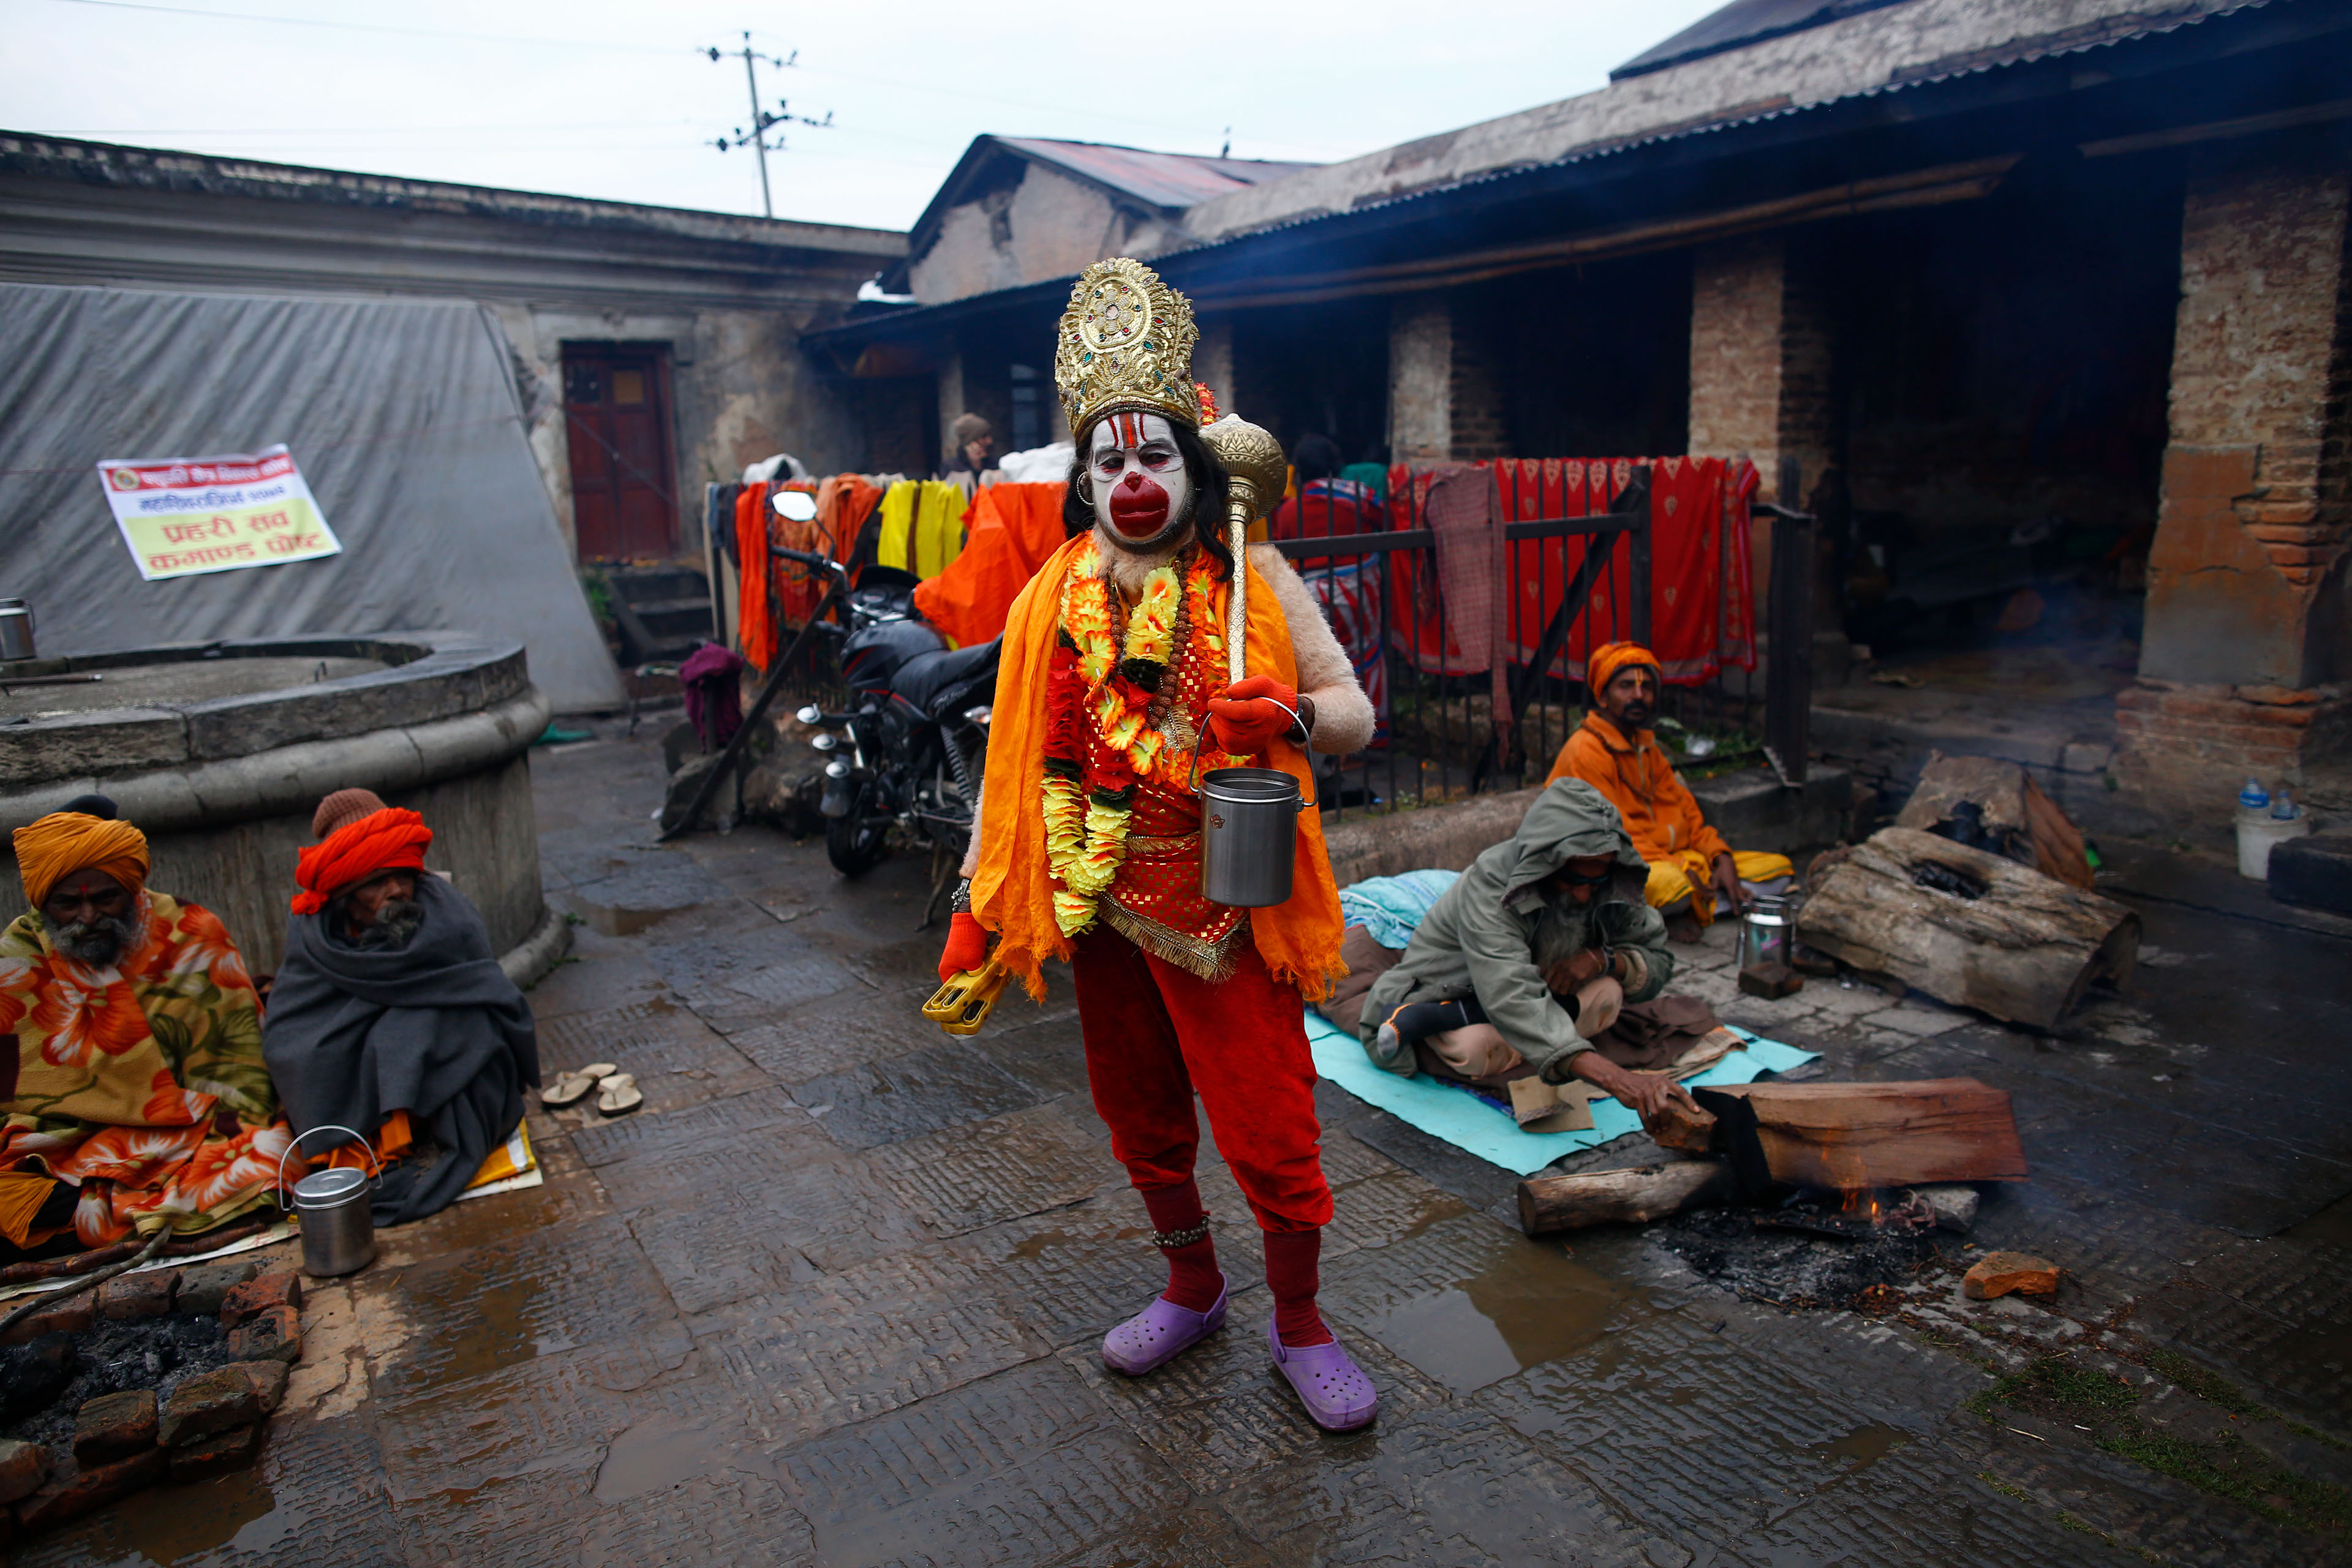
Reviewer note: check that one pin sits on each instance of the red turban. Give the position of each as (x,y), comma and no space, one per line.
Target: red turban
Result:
(1609,657)
(392,839)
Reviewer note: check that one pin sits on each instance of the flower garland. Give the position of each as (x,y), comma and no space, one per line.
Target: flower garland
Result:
(1099,740)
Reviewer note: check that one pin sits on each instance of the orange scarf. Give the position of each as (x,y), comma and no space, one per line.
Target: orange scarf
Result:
(1012,891)
(392,839)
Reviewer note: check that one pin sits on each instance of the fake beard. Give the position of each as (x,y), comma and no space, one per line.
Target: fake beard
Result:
(97,944)
(1130,560)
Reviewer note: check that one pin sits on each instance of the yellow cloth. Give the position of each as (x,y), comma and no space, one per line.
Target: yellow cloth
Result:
(56,846)
(21,1194)
(892,545)
(1672,881)
(1012,890)
(939,527)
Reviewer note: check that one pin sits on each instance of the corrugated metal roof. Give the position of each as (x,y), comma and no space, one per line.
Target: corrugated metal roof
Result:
(1170,179)
(1739,24)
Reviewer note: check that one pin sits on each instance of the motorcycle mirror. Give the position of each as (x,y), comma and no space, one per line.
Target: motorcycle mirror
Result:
(794,506)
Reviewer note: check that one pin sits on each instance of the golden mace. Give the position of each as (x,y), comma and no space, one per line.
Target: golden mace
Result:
(1253,463)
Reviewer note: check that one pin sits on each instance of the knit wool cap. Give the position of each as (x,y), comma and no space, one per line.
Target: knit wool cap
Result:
(343,808)
(968,428)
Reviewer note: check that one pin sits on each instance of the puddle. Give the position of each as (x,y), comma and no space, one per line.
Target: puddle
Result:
(1859,1449)
(652,1455)
(1533,1306)
(1044,1241)
(613,920)
(488,1330)
(169,1524)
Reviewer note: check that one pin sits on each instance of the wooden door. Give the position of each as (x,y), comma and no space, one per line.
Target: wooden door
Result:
(617,423)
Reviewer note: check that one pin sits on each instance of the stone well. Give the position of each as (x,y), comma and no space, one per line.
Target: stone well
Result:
(220,751)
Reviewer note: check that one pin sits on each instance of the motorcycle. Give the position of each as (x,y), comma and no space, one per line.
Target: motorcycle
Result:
(910,749)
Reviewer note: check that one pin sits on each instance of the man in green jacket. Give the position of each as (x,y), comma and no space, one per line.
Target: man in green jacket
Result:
(1530,955)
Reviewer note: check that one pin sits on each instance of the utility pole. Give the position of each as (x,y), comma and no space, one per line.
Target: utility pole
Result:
(757,137)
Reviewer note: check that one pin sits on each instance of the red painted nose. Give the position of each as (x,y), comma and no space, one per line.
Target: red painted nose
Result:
(1134,481)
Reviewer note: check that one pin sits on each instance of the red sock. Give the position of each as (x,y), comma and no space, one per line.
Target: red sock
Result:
(1194,1282)
(1291,1257)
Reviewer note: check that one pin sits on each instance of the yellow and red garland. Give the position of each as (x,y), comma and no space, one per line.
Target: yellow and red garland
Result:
(1099,742)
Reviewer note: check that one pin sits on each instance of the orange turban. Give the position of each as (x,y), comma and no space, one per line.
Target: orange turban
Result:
(392,839)
(1609,657)
(64,842)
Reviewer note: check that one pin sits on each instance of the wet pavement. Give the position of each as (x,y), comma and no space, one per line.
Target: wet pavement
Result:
(833,1296)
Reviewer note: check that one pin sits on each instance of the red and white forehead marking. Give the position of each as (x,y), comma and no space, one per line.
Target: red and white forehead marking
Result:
(1128,431)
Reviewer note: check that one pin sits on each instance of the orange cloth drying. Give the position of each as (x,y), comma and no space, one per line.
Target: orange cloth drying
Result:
(1014,530)
(755,629)
(392,839)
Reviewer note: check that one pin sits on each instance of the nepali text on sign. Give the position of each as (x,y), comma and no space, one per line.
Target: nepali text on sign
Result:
(183,516)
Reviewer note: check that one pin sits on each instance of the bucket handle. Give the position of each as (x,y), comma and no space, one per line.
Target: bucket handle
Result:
(329,1128)
(1192,780)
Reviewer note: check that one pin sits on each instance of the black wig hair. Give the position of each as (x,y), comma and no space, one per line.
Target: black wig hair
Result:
(1210,491)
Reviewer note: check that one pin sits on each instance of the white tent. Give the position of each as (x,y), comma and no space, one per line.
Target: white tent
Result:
(406,421)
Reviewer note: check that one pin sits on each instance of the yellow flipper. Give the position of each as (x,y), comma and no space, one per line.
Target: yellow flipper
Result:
(962,1005)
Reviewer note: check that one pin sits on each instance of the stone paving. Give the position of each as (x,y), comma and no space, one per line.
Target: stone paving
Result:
(833,1296)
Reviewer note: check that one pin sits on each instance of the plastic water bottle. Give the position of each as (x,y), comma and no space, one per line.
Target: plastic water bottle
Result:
(2283,809)
(2254,797)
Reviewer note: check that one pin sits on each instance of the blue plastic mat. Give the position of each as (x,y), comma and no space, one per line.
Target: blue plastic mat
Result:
(1470,1123)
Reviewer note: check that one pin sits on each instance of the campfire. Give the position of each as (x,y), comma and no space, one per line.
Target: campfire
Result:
(1805,1193)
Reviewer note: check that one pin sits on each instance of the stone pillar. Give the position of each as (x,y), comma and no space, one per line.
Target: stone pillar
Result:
(1762,355)
(1421,379)
(1212,364)
(952,407)
(2245,630)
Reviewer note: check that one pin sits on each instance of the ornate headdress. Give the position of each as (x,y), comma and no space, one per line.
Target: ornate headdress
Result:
(1126,343)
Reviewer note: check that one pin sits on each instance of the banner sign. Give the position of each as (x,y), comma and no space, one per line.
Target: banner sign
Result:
(183,516)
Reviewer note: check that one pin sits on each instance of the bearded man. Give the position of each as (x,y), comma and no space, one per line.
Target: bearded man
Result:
(390,1016)
(1691,869)
(1087,845)
(131,1040)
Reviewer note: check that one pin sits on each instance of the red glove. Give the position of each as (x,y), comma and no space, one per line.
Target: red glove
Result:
(1244,719)
(967,946)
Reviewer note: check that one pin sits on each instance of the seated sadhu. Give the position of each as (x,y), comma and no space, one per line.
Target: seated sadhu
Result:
(390,1016)
(130,1039)
(1526,958)
(1617,753)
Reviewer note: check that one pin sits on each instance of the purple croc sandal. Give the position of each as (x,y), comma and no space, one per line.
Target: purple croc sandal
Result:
(1337,1395)
(1152,1338)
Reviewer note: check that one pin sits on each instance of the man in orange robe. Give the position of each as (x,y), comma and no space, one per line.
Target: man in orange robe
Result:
(1088,844)
(1617,753)
(135,1098)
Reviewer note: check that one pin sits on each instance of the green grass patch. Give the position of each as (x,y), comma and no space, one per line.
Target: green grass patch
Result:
(2220,1391)
(2053,1381)
(2234,1469)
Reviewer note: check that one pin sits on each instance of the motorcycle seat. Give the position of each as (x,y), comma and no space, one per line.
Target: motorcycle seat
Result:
(924,679)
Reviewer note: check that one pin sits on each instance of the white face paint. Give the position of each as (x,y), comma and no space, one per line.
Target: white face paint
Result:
(1137,479)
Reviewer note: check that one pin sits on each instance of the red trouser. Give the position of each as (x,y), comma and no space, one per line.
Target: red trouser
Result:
(1155,1034)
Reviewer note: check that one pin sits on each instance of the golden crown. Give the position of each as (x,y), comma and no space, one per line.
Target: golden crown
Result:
(1126,343)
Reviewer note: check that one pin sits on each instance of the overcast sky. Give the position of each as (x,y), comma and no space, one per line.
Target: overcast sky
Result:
(598,97)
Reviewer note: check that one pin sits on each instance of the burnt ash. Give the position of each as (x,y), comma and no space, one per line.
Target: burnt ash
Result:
(160,1353)
(1794,1267)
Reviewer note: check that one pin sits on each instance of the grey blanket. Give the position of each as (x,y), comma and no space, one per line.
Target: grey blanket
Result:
(433,1028)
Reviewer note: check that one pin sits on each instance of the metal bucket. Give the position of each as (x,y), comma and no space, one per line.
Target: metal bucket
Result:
(338,1230)
(15,630)
(1249,835)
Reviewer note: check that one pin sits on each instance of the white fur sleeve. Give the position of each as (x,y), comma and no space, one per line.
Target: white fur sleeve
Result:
(1343,714)
(970,866)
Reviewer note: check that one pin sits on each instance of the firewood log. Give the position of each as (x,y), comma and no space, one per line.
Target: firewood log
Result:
(1680,1125)
(1619,1197)
(1967,927)
(1853,1135)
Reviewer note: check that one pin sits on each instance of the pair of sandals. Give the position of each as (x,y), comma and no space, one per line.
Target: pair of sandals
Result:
(617,1091)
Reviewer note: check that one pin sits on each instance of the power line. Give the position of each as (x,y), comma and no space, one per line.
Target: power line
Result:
(757,137)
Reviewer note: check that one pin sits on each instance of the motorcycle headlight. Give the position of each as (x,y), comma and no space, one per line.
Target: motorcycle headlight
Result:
(980,715)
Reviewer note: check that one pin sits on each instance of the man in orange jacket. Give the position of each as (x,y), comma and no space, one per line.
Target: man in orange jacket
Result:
(1617,753)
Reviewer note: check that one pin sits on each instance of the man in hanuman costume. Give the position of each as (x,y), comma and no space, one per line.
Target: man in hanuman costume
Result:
(1087,845)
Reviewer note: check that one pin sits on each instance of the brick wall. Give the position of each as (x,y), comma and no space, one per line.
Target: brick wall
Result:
(1421,379)
(1481,424)
(1761,357)
(2244,633)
